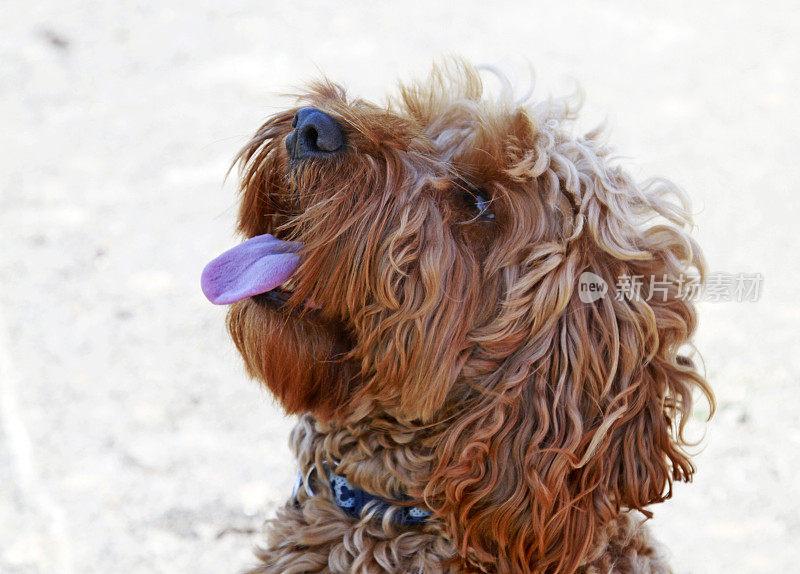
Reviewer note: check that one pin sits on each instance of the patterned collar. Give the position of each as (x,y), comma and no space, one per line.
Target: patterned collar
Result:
(352,501)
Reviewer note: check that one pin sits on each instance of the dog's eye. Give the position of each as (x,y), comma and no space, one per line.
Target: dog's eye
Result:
(483,206)
(476,199)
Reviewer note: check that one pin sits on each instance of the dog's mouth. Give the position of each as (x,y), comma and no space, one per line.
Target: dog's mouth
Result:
(259,267)
(279,297)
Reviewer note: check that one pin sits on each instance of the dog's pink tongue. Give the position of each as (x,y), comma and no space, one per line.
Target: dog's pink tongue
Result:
(256,266)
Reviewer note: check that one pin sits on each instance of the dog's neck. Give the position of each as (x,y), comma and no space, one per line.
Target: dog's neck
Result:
(387,458)
(378,454)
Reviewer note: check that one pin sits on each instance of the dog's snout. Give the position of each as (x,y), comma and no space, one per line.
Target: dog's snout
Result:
(315,134)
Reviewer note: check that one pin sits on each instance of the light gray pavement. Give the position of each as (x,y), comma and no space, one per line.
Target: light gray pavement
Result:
(130,439)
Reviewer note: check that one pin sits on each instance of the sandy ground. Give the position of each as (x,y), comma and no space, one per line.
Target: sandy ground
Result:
(130,439)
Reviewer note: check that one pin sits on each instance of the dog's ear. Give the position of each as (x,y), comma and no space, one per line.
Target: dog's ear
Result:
(584,417)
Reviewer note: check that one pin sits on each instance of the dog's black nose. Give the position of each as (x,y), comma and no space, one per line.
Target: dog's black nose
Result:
(316,134)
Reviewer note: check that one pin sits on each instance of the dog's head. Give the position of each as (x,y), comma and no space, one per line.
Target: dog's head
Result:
(441,242)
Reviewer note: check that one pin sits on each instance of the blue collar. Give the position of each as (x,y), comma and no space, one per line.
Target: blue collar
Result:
(352,501)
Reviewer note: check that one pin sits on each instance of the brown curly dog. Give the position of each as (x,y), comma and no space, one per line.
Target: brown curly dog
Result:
(412,286)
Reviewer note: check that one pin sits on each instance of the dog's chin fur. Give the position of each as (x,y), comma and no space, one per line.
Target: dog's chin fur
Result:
(448,357)
(297,351)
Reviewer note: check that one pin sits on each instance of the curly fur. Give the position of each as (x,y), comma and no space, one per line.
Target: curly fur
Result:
(451,359)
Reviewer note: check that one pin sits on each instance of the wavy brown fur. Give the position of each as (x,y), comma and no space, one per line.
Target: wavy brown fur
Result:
(452,359)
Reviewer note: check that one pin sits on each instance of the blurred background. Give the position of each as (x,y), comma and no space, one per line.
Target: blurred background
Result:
(130,438)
